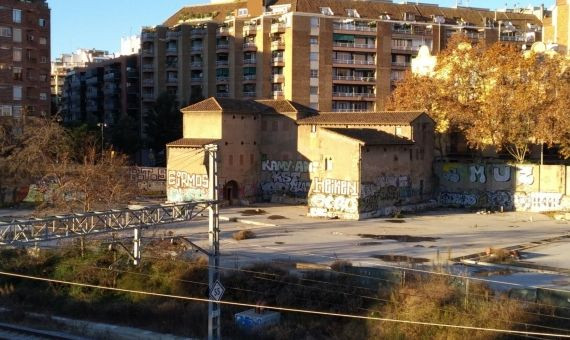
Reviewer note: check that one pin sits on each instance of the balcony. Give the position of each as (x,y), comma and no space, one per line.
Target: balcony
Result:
(222,47)
(353,28)
(147,52)
(197,33)
(196,65)
(171,51)
(249,61)
(349,110)
(278,28)
(278,61)
(223,63)
(278,95)
(406,48)
(354,45)
(148,67)
(196,48)
(172,35)
(222,94)
(196,79)
(413,30)
(354,79)
(249,94)
(359,63)
(148,82)
(171,66)
(249,30)
(171,81)
(222,79)
(401,64)
(148,36)
(278,78)
(249,77)
(514,38)
(222,31)
(111,76)
(353,96)
(249,46)
(277,45)
(147,96)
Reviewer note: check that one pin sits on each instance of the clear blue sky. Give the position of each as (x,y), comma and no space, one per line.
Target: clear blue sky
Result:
(101,23)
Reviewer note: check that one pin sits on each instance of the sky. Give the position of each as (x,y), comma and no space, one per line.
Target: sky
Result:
(101,23)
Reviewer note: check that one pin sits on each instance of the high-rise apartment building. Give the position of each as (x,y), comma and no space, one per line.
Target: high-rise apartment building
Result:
(557,26)
(103,91)
(342,55)
(24,58)
(68,61)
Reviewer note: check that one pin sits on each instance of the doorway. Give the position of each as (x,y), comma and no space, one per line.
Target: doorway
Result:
(231,192)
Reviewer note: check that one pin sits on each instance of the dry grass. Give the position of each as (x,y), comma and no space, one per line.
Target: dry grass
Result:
(340,265)
(243,235)
(437,299)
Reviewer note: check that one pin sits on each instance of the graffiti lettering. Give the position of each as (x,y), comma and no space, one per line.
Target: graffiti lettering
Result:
(477,174)
(451,175)
(525,176)
(182,179)
(335,187)
(538,201)
(502,176)
(457,199)
(334,203)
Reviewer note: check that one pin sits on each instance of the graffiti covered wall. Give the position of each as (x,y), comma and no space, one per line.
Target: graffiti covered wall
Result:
(286,178)
(525,187)
(149,180)
(183,186)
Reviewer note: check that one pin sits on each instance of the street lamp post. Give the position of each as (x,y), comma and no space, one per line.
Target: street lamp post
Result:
(102,126)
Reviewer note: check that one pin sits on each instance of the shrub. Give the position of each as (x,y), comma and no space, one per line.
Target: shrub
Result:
(243,235)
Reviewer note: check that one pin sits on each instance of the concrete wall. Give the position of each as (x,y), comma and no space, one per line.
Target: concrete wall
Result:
(186,175)
(521,187)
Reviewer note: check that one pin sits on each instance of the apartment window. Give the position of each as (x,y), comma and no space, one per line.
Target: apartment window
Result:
(17,54)
(17,34)
(240,159)
(314,73)
(231,160)
(328,164)
(313,129)
(17,111)
(242,12)
(5,32)
(17,92)
(43,96)
(43,41)
(5,110)
(314,56)
(314,40)
(314,89)
(42,22)
(17,16)
(314,22)
(43,77)
(43,59)
(17,72)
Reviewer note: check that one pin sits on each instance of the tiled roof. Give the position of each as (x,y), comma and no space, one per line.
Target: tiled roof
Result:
(357,118)
(372,137)
(220,10)
(192,142)
(248,106)
(373,9)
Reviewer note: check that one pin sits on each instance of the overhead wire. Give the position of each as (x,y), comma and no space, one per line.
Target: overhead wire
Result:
(284,309)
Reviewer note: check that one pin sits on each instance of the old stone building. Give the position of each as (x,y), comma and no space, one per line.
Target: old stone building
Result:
(347,165)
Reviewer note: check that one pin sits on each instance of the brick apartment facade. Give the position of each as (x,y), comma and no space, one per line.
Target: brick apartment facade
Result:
(24,58)
(103,91)
(341,55)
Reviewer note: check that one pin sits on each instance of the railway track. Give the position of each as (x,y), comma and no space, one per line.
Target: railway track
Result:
(13,332)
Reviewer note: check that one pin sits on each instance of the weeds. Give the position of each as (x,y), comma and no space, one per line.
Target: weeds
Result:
(243,235)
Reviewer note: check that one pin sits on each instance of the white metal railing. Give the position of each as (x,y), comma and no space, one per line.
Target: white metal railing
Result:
(197,48)
(196,78)
(277,27)
(196,64)
(147,51)
(222,94)
(278,59)
(222,46)
(412,31)
(196,32)
(249,29)
(349,27)
(249,77)
(277,44)
(353,94)
(222,62)
(349,110)
(354,78)
(222,78)
(354,61)
(353,45)
(249,61)
(405,47)
(172,50)
(249,94)
(249,45)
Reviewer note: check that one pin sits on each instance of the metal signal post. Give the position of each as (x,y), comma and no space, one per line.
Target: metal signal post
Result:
(214,331)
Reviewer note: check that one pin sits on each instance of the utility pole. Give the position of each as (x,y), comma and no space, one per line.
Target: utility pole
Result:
(102,126)
(214,331)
